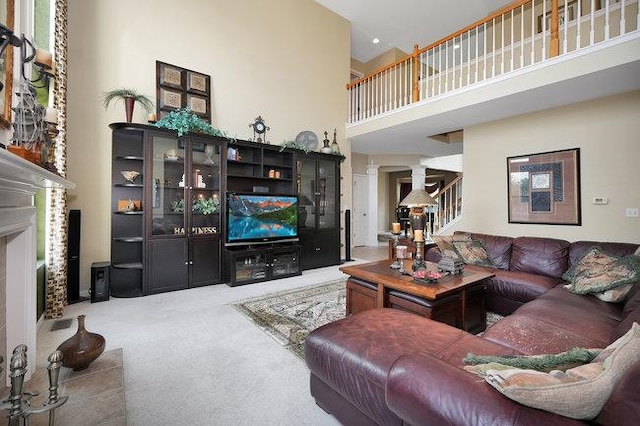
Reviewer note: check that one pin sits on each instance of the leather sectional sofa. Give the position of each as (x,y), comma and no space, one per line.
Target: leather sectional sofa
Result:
(388,367)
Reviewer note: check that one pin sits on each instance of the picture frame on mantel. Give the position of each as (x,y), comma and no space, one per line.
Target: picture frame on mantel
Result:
(544,188)
(178,87)
(7,16)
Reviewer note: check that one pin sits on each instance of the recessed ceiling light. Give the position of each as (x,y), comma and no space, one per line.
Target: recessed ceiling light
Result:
(456,46)
(376,40)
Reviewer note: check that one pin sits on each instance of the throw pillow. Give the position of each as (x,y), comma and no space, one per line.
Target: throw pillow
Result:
(602,274)
(473,253)
(580,392)
(545,362)
(615,295)
(606,277)
(593,259)
(445,244)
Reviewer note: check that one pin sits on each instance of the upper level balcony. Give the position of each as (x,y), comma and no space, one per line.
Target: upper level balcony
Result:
(529,56)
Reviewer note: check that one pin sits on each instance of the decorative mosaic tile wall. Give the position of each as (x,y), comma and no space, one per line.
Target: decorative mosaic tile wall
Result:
(57,220)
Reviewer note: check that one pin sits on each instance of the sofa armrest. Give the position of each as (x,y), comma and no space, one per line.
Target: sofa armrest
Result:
(424,390)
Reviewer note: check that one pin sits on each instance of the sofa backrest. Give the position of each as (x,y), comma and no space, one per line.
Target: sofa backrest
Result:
(542,256)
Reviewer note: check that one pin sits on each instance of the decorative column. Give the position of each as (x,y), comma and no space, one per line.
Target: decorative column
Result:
(418,176)
(57,212)
(372,205)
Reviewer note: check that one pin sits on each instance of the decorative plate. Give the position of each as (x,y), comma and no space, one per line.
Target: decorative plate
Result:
(308,139)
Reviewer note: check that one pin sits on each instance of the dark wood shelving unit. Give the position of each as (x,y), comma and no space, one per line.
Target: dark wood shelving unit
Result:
(157,249)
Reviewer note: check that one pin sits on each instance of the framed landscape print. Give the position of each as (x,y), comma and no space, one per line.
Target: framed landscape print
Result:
(178,87)
(544,188)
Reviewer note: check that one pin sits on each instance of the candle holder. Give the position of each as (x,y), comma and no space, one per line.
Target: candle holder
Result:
(396,263)
(418,260)
(401,254)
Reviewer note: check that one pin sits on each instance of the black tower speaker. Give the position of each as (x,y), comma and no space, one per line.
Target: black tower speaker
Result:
(99,282)
(73,258)
(347,236)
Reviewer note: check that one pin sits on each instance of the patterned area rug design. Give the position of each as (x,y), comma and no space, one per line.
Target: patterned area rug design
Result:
(290,316)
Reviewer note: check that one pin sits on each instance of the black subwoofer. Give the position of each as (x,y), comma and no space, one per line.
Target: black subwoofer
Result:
(99,282)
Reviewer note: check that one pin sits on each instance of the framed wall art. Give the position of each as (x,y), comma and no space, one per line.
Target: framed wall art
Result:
(178,87)
(564,16)
(544,188)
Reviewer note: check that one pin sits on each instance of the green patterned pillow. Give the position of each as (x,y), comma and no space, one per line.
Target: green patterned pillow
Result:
(606,276)
(445,244)
(473,253)
(593,259)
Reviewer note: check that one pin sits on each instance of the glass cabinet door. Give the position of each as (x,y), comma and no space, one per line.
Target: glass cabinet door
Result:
(204,188)
(326,194)
(306,177)
(167,186)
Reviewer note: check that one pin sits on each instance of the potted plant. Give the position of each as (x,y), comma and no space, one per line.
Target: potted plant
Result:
(184,121)
(130,97)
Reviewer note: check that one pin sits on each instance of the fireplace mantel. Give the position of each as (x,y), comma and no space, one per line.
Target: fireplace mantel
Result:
(19,182)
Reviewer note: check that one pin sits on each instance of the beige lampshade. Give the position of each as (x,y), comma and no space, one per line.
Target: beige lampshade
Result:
(418,198)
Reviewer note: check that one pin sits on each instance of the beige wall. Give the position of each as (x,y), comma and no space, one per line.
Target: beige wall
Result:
(287,60)
(386,58)
(605,130)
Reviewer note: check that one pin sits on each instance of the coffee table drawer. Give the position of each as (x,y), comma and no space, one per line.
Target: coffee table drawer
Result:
(445,310)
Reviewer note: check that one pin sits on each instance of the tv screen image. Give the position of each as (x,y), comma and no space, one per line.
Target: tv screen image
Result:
(252,217)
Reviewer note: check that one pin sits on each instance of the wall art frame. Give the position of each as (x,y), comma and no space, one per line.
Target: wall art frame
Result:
(544,188)
(194,89)
(572,9)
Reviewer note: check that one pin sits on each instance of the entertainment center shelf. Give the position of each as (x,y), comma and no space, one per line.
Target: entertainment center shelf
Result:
(170,225)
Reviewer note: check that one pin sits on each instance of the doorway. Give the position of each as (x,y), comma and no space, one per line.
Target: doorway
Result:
(360,226)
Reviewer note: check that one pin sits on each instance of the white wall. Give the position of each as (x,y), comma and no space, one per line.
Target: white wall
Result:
(605,130)
(287,60)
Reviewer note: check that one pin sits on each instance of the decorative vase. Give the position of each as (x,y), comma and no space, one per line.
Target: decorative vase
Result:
(82,348)
(129,103)
(326,148)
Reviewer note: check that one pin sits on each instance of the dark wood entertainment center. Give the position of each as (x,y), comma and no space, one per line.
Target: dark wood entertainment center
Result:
(168,227)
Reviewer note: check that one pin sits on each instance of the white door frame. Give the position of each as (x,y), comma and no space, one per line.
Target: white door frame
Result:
(360,210)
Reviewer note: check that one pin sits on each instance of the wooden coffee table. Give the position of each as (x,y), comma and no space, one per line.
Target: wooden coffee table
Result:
(457,300)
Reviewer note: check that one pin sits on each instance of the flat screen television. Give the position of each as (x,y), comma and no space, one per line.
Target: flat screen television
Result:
(256,218)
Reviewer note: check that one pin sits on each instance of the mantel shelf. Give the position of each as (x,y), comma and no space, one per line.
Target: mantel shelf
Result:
(20,171)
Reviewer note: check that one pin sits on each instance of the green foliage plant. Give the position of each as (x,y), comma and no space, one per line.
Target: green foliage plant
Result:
(184,121)
(122,94)
(206,205)
(295,145)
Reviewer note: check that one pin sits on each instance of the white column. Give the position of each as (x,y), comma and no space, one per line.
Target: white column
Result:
(372,205)
(418,176)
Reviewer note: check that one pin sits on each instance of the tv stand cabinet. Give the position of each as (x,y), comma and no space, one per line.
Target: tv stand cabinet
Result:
(255,263)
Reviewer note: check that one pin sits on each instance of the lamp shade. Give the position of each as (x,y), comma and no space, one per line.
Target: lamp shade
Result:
(418,198)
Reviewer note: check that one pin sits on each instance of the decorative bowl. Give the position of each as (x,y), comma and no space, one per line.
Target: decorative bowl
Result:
(130,175)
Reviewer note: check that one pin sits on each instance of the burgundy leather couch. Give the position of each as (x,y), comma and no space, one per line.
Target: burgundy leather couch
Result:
(388,367)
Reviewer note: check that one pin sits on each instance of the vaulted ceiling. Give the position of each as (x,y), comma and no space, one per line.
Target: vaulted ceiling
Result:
(403,23)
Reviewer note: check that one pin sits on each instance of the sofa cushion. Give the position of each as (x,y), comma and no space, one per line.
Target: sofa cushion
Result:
(543,256)
(479,364)
(499,248)
(473,252)
(580,392)
(593,259)
(520,286)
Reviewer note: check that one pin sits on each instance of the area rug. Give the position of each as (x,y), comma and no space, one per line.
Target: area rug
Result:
(290,316)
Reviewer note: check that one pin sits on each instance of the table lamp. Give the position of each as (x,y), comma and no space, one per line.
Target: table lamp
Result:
(417,199)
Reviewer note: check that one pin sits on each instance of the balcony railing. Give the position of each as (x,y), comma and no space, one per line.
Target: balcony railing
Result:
(520,35)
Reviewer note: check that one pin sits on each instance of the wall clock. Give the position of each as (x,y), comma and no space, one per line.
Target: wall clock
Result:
(259,130)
